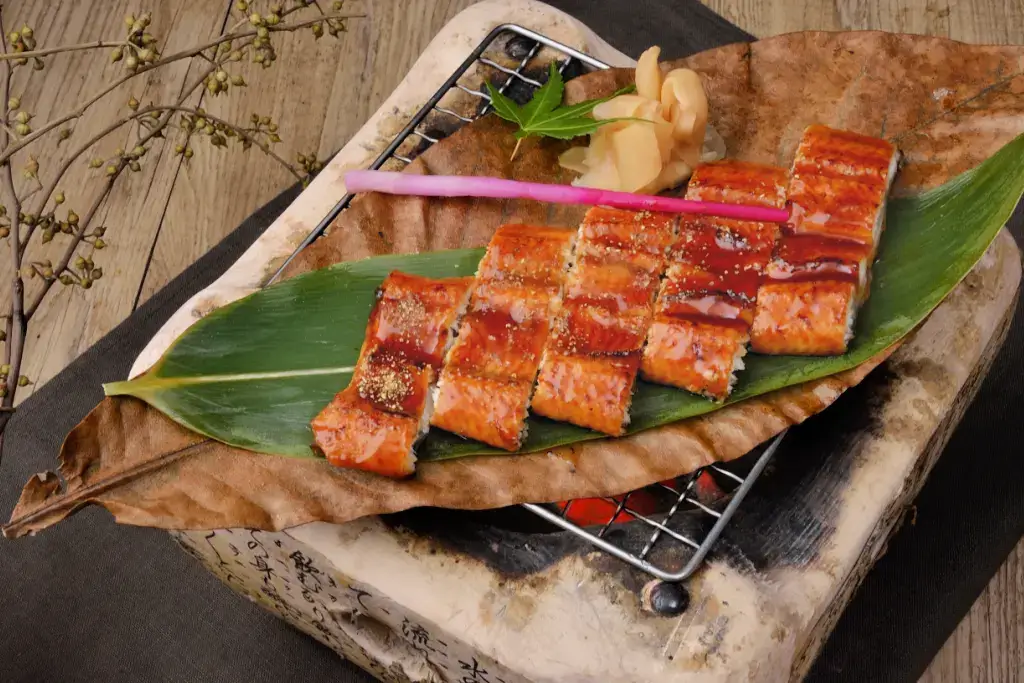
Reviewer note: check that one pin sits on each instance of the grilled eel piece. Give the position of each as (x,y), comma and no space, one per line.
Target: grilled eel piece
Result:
(706,302)
(820,273)
(375,423)
(590,364)
(489,372)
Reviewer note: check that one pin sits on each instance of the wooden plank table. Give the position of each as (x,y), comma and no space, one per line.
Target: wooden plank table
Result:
(176,211)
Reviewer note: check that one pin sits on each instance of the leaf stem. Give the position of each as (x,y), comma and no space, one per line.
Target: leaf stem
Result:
(515,150)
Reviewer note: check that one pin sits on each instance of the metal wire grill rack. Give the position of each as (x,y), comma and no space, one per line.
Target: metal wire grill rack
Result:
(668,536)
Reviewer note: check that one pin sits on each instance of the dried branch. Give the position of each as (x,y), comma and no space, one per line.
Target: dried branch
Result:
(74,156)
(186,92)
(76,239)
(17,325)
(140,55)
(84,223)
(184,54)
(79,234)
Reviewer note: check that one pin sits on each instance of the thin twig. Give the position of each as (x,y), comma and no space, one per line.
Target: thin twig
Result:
(52,187)
(60,48)
(17,323)
(191,52)
(20,314)
(84,222)
(38,186)
(78,153)
(8,332)
(76,239)
(238,131)
(185,94)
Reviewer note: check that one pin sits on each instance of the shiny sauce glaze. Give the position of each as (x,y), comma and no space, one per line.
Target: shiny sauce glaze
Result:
(591,360)
(834,207)
(485,386)
(374,423)
(706,302)
(820,271)
(801,258)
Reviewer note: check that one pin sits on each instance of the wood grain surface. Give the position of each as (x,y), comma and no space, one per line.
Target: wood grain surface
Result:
(321,92)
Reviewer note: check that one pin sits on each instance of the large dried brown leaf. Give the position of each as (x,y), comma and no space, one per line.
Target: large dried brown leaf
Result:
(159,474)
(948,105)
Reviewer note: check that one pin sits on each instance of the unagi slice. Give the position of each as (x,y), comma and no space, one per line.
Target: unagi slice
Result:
(590,364)
(819,275)
(706,302)
(489,372)
(375,423)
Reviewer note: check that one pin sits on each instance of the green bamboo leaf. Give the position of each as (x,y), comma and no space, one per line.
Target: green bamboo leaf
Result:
(255,372)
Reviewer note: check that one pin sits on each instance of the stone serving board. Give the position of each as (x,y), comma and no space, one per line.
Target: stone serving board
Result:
(442,596)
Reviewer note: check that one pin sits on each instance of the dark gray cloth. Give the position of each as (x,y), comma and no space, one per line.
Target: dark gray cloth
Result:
(93,601)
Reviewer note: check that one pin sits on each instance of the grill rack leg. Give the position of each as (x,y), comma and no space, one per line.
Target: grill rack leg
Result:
(704,547)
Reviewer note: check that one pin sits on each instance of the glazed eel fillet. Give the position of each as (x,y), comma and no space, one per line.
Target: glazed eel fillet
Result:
(375,423)
(706,302)
(820,272)
(590,364)
(489,372)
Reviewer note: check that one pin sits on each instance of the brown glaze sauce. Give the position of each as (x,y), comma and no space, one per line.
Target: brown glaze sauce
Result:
(803,258)
(390,381)
(522,255)
(719,263)
(818,272)
(842,155)
(412,317)
(838,187)
(739,182)
(496,343)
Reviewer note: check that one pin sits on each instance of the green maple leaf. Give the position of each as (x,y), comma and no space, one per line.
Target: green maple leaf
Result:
(544,114)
